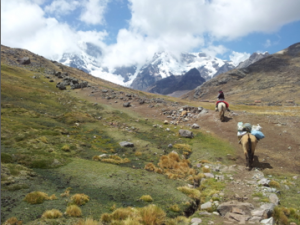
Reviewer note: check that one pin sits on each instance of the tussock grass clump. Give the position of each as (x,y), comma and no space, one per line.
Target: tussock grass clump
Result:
(114,159)
(13,221)
(182,220)
(88,221)
(122,213)
(146,198)
(148,215)
(66,193)
(191,192)
(80,199)
(274,184)
(152,214)
(183,147)
(74,211)
(66,148)
(205,170)
(172,166)
(175,208)
(138,153)
(43,139)
(52,214)
(38,197)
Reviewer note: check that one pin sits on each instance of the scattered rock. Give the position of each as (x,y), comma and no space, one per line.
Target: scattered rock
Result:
(186,133)
(127,104)
(274,199)
(195,126)
(206,205)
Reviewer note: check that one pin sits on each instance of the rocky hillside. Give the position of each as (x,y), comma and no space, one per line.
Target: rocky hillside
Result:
(78,150)
(273,80)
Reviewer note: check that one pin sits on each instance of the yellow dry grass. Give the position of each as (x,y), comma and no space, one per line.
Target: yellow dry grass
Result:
(191,192)
(73,211)
(183,147)
(13,221)
(38,197)
(80,199)
(114,159)
(66,193)
(146,198)
(52,214)
(152,214)
(172,166)
(88,221)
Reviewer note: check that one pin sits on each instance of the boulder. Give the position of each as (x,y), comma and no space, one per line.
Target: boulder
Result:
(126,144)
(127,104)
(195,126)
(24,61)
(61,86)
(186,133)
(274,199)
(206,205)
(227,207)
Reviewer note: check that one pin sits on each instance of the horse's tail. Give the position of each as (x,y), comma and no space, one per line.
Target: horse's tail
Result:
(250,155)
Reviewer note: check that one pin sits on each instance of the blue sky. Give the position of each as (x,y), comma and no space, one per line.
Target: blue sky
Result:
(131,31)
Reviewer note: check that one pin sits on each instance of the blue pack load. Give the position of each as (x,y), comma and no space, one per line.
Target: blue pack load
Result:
(258,134)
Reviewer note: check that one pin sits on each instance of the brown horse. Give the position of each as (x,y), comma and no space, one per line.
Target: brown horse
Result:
(249,142)
(222,109)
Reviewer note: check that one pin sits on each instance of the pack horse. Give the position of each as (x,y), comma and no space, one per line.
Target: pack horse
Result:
(249,142)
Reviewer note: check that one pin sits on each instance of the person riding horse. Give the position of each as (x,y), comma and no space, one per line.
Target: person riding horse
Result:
(221,98)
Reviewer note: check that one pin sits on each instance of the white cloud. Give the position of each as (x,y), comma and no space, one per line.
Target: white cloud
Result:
(93,12)
(237,57)
(61,7)
(171,25)
(215,50)
(24,25)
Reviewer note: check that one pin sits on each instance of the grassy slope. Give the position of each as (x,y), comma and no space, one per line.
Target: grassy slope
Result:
(38,132)
(38,122)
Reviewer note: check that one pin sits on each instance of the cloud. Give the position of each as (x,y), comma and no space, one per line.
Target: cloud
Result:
(24,25)
(155,25)
(237,57)
(61,7)
(93,12)
(215,50)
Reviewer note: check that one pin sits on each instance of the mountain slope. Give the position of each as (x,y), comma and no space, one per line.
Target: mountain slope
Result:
(171,84)
(273,80)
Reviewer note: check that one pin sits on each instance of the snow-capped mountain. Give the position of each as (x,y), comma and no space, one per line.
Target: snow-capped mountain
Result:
(164,65)
(87,60)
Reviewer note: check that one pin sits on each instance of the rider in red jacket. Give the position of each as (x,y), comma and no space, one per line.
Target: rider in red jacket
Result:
(221,98)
